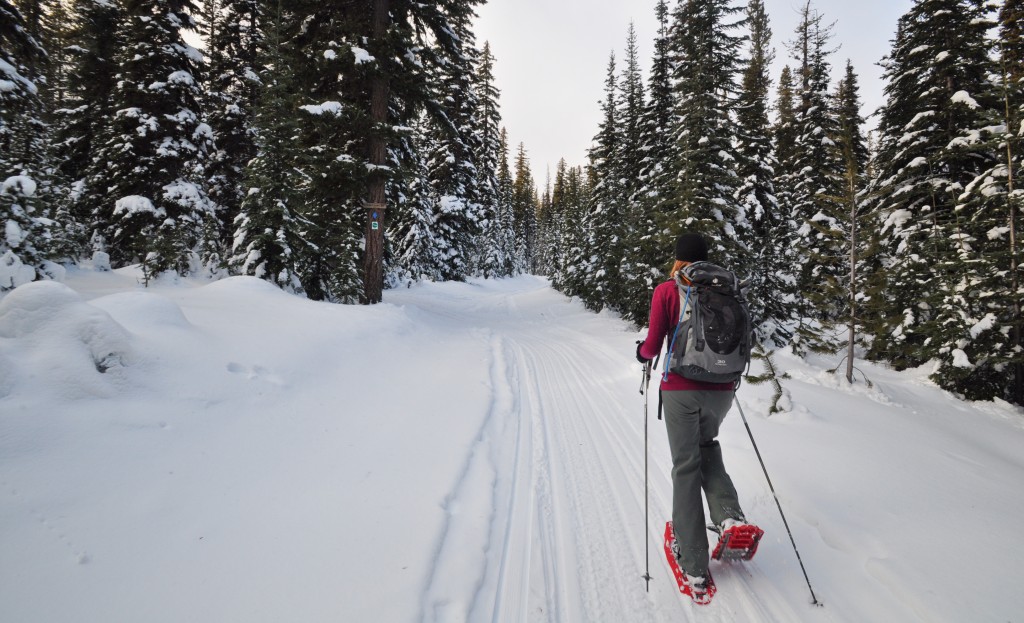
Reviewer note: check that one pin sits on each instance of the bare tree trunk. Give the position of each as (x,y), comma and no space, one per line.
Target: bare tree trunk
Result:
(853,270)
(1018,369)
(373,262)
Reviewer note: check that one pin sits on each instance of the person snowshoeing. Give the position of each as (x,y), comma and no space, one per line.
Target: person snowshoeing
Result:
(694,411)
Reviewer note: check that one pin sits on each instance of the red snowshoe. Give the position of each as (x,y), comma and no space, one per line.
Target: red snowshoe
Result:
(700,590)
(737,541)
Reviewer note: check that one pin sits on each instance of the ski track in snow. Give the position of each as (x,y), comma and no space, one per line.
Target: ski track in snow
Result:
(563,454)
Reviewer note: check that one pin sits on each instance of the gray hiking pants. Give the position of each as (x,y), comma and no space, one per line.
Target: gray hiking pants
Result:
(692,419)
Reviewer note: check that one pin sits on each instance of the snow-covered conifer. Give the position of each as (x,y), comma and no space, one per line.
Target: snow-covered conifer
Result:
(267,240)
(489,251)
(988,358)
(817,187)
(87,83)
(705,80)
(233,42)
(605,213)
(150,158)
(524,212)
(506,229)
(938,95)
(23,145)
(632,295)
(769,258)
(454,146)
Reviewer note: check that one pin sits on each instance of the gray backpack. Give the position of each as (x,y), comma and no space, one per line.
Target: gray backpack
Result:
(711,343)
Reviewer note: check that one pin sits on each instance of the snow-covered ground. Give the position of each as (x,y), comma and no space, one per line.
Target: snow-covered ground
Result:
(223,451)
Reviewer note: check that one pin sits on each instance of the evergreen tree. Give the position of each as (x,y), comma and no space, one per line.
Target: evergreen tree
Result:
(860,226)
(151,154)
(505,234)
(631,118)
(769,253)
(545,251)
(575,233)
(817,189)
(990,361)
(330,73)
(233,42)
(1011,18)
(418,254)
(559,259)
(633,295)
(938,90)
(606,212)
(524,213)
(784,139)
(657,178)
(87,88)
(705,85)
(454,148)
(23,129)
(407,42)
(267,241)
(490,252)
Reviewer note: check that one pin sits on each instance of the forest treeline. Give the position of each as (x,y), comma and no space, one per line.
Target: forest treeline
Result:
(262,154)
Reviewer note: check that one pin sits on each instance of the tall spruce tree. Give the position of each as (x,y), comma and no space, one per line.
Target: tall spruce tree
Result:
(233,43)
(405,41)
(524,213)
(150,157)
(545,251)
(605,214)
(817,189)
(454,147)
(860,226)
(769,254)
(1011,47)
(938,90)
(572,273)
(784,140)
(418,254)
(267,240)
(330,73)
(88,83)
(489,251)
(559,205)
(992,360)
(23,143)
(633,295)
(705,83)
(506,227)
(657,178)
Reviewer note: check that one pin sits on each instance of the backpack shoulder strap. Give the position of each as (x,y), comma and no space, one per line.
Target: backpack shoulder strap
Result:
(684,302)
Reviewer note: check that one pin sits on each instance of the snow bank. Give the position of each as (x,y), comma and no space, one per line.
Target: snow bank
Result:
(61,343)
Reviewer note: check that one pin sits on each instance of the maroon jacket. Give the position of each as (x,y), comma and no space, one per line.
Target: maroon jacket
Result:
(664,318)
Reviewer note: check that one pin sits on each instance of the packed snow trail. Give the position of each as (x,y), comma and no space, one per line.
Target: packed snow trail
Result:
(463,452)
(566,541)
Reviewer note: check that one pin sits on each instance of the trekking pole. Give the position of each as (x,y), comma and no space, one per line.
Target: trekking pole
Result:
(777,503)
(645,390)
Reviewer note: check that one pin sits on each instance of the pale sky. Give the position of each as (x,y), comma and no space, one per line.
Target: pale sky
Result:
(552,57)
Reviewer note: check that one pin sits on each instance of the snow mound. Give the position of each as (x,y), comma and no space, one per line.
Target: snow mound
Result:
(246,287)
(142,310)
(60,342)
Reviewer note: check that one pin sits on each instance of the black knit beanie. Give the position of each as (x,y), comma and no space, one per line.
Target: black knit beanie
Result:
(691,248)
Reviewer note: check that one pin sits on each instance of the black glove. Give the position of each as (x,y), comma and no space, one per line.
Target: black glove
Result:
(639,357)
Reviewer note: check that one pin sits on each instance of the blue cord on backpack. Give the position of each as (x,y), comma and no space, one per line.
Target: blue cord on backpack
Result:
(672,343)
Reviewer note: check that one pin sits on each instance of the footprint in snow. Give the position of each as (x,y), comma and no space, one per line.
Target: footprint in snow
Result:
(256,372)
